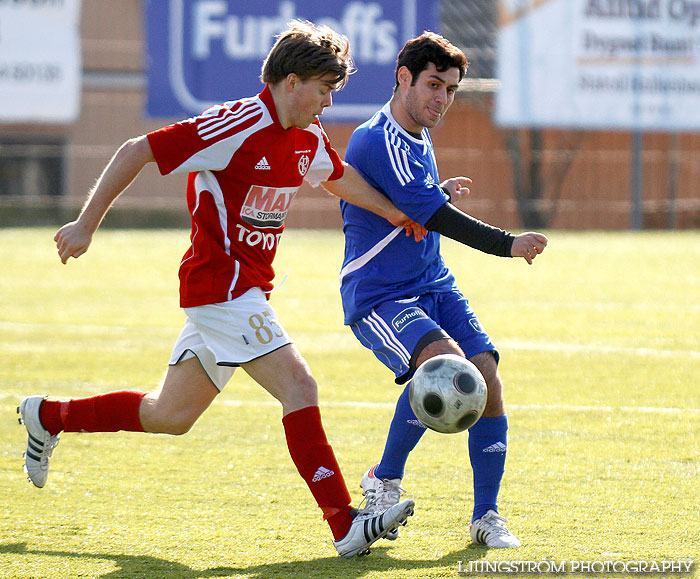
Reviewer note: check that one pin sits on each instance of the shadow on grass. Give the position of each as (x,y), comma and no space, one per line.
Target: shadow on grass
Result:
(133,566)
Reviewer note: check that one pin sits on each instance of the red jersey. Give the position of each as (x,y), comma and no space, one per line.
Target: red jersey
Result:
(245,170)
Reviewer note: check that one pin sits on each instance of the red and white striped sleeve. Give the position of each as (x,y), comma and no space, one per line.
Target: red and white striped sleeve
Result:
(207,142)
(326,165)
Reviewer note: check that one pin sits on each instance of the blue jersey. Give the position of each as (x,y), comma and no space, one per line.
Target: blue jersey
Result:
(381,263)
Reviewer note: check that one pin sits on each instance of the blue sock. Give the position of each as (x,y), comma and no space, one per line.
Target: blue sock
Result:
(404,433)
(487,452)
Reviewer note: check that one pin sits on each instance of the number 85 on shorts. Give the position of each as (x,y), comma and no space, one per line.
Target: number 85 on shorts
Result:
(239,330)
(266,326)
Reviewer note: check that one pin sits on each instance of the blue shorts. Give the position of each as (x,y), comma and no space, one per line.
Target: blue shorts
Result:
(397,331)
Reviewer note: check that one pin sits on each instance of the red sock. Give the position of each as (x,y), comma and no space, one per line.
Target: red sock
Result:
(50,416)
(104,413)
(315,461)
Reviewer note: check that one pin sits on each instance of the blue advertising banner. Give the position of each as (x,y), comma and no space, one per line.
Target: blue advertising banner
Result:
(203,52)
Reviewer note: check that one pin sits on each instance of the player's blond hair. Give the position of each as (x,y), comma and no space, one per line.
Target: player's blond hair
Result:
(309,51)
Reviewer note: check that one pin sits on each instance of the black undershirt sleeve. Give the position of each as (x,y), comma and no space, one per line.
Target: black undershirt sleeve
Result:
(455,224)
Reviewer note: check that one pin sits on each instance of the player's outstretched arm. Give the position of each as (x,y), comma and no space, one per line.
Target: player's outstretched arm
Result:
(528,245)
(74,238)
(352,188)
(453,223)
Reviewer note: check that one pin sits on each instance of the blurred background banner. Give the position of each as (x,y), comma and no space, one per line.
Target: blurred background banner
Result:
(40,63)
(599,64)
(202,52)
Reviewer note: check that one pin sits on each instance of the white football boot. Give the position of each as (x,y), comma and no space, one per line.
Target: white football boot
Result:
(491,530)
(40,443)
(380,494)
(368,527)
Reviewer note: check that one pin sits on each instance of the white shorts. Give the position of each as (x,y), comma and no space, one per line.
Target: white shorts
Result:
(228,334)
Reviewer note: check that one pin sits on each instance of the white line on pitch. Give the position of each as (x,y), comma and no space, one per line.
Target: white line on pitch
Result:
(526,407)
(340,338)
(586,348)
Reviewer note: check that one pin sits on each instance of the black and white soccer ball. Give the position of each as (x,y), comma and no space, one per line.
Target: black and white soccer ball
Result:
(448,393)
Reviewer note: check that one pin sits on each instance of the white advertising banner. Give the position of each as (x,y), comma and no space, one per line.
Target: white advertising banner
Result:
(40,64)
(608,64)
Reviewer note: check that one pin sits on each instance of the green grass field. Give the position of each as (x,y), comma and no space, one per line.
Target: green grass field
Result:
(600,345)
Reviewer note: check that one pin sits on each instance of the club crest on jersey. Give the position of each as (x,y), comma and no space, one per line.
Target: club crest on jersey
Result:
(303,164)
(267,207)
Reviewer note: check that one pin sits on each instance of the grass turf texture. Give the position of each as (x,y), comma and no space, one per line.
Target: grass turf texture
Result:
(600,344)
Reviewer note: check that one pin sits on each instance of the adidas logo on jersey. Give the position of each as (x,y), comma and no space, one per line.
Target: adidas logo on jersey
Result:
(497,447)
(322,473)
(262,165)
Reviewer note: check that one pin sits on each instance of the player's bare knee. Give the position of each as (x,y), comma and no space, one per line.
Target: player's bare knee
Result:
(441,346)
(306,389)
(487,365)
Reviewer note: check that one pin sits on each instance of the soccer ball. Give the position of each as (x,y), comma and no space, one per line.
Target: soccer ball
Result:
(448,393)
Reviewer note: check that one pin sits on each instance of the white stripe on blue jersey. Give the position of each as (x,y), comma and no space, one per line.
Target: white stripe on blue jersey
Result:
(397,155)
(356,264)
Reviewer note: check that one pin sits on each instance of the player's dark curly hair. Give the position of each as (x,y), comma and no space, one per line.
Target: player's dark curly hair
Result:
(309,51)
(429,47)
